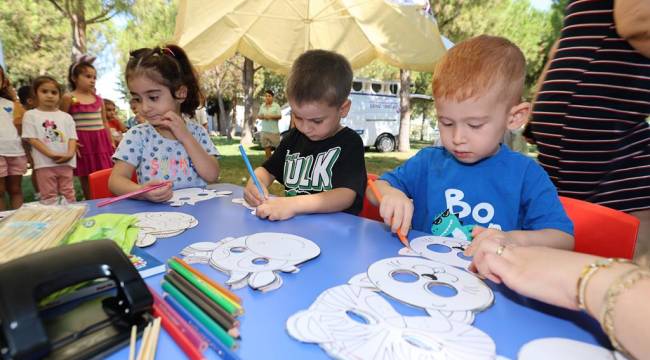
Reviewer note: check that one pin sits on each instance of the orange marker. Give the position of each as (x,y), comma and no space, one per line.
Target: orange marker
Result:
(401,236)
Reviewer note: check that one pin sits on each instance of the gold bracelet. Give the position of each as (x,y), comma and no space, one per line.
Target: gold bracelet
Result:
(587,273)
(624,282)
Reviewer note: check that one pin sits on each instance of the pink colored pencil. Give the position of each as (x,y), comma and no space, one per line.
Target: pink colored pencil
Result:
(131,194)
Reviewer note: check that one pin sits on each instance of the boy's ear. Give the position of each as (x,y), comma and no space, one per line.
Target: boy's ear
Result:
(181,93)
(345,108)
(518,115)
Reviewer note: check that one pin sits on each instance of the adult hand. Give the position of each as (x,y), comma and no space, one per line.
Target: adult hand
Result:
(253,196)
(277,208)
(160,194)
(486,241)
(397,210)
(542,273)
(176,125)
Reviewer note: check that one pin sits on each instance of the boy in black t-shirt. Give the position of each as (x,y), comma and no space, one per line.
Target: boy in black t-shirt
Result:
(319,162)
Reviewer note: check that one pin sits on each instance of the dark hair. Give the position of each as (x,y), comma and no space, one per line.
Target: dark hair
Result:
(76,69)
(270,92)
(24,94)
(4,90)
(170,67)
(39,81)
(320,75)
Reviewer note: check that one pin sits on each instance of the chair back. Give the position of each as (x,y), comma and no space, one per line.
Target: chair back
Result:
(370,211)
(98,184)
(601,231)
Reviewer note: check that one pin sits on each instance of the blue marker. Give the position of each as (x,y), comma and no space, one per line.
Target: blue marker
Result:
(250,169)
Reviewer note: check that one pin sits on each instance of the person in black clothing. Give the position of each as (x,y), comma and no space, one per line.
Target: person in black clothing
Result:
(319,162)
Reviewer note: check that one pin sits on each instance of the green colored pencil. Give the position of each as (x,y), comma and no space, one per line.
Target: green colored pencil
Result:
(206,288)
(199,315)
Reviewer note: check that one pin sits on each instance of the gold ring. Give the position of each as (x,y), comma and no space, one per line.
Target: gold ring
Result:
(500,249)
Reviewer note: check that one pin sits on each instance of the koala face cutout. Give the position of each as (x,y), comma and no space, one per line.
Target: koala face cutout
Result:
(442,249)
(430,285)
(349,322)
(256,257)
(190,196)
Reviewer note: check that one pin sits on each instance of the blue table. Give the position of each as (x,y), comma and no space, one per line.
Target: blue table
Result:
(349,244)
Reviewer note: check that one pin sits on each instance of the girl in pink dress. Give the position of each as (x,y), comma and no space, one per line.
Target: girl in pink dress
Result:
(87,109)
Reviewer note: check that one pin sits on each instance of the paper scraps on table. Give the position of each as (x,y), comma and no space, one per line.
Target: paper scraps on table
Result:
(565,349)
(441,249)
(243,203)
(350,322)
(161,224)
(190,196)
(256,259)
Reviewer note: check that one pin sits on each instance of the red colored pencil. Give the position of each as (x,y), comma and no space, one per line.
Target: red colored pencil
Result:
(225,292)
(180,339)
(131,194)
(401,236)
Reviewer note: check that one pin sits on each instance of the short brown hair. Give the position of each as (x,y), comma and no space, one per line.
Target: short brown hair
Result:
(320,76)
(43,79)
(473,66)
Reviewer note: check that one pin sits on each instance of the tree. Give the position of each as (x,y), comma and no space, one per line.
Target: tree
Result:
(35,39)
(81,13)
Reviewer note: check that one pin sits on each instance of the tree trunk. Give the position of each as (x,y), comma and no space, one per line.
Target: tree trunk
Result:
(233,119)
(247,129)
(78,23)
(404,110)
(422,127)
(222,118)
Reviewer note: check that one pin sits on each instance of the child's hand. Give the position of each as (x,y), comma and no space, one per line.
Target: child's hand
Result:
(60,159)
(397,210)
(277,208)
(177,125)
(253,196)
(486,241)
(161,194)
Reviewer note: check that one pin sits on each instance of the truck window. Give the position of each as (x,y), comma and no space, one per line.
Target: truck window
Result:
(357,85)
(376,87)
(393,88)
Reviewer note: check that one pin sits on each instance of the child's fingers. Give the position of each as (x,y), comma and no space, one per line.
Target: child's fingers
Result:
(396,222)
(406,222)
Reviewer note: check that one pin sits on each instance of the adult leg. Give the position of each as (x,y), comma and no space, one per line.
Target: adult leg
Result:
(65,181)
(268,151)
(14,188)
(642,251)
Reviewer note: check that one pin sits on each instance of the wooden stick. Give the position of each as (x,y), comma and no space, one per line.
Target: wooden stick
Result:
(134,334)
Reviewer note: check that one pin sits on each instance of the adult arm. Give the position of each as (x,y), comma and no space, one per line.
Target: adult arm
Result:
(632,21)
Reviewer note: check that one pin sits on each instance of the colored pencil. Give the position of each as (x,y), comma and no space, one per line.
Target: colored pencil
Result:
(192,334)
(200,315)
(250,170)
(222,350)
(227,293)
(225,303)
(131,194)
(180,339)
(204,303)
(401,236)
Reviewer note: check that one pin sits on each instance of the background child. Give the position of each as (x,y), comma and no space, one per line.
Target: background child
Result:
(51,133)
(113,122)
(13,162)
(165,148)
(87,110)
(477,86)
(320,160)
(135,119)
(27,103)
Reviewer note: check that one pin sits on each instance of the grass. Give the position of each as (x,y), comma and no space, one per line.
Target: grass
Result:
(233,170)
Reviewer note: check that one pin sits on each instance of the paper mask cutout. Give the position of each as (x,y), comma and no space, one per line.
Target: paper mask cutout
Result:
(565,349)
(349,322)
(431,285)
(465,317)
(441,249)
(191,196)
(448,224)
(161,224)
(243,203)
(254,259)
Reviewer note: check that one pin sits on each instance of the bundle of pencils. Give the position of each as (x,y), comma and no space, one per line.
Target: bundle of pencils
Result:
(206,306)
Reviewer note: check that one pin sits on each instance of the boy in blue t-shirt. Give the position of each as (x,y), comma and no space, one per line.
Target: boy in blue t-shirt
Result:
(473,186)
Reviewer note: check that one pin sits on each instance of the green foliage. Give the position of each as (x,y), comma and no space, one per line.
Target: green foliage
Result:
(268,80)
(35,38)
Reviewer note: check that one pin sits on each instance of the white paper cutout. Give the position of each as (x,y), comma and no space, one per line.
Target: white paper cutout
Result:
(254,259)
(471,293)
(450,253)
(465,317)
(6,213)
(243,203)
(565,349)
(161,224)
(190,196)
(386,334)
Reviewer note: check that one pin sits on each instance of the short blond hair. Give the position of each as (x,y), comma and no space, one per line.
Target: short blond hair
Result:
(473,66)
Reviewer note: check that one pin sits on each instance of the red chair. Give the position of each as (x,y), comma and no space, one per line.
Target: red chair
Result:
(601,231)
(370,211)
(98,183)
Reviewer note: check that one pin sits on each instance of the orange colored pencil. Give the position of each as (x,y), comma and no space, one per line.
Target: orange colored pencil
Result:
(401,236)
(225,292)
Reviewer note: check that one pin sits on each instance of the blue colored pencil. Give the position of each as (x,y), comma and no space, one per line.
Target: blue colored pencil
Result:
(250,170)
(222,350)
